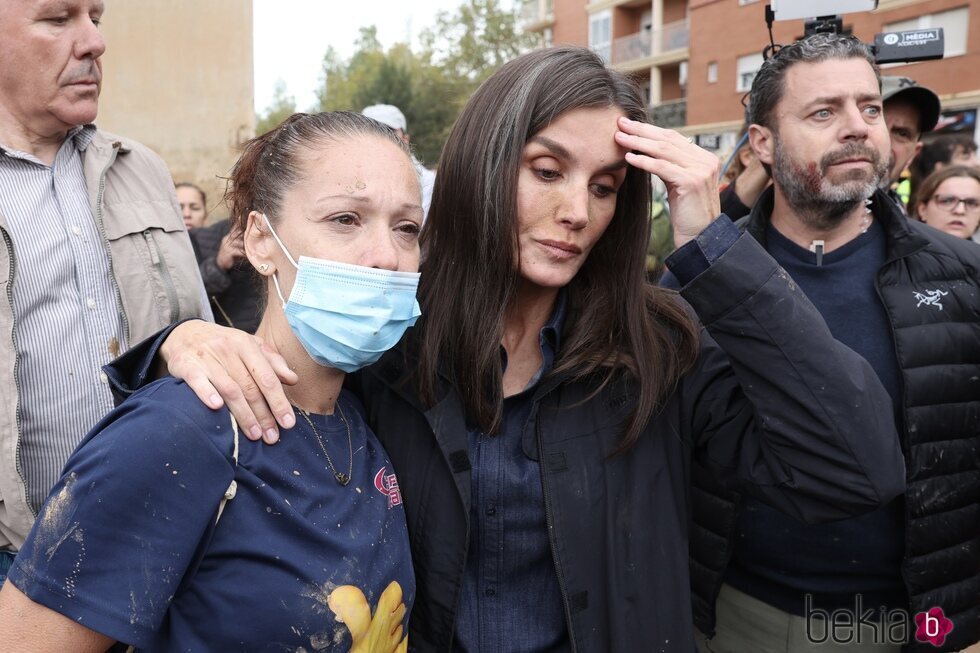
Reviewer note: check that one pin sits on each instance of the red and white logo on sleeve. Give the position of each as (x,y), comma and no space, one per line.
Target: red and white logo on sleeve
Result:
(387,484)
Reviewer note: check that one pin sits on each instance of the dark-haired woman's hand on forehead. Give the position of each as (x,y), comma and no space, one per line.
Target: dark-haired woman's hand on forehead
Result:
(228,366)
(689,172)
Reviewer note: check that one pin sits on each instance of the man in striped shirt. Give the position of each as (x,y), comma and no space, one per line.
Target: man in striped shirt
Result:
(93,253)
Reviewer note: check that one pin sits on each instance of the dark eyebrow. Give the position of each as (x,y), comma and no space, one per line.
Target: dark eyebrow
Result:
(555,147)
(561,152)
(837,100)
(613,167)
(363,199)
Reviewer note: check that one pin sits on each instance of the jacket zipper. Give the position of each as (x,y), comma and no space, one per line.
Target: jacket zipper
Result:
(161,266)
(551,535)
(903,437)
(108,252)
(13,331)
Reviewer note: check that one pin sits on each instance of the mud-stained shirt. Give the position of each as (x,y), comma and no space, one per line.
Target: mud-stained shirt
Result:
(128,544)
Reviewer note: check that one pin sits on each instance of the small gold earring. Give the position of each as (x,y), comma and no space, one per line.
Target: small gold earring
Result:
(263,267)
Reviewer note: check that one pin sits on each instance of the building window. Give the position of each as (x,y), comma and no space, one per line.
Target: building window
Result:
(682,74)
(953,22)
(712,72)
(745,71)
(600,34)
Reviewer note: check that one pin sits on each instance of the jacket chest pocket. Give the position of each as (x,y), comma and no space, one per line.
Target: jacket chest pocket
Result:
(153,264)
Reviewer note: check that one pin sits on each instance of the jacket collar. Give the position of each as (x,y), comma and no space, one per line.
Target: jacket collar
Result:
(902,241)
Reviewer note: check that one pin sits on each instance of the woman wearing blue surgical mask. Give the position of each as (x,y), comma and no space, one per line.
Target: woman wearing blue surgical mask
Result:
(169,532)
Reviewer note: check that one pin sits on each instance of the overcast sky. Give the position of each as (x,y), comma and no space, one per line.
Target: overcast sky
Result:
(291,37)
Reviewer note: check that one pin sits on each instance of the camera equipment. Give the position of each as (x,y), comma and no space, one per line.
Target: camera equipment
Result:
(889,47)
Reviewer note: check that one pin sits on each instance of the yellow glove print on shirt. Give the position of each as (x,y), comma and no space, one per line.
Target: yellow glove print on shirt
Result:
(383,633)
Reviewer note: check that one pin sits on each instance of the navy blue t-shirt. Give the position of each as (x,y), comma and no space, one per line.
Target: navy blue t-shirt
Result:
(127,544)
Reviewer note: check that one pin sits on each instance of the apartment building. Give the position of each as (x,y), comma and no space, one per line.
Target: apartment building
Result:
(648,39)
(695,59)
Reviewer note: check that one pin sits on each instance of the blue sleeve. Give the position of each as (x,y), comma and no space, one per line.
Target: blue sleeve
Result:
(133,370)
(698,254)
(119,531)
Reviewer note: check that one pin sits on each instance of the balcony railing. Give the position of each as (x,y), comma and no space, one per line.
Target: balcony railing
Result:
(670,115)
(533,12)
(529,12)
(672,36)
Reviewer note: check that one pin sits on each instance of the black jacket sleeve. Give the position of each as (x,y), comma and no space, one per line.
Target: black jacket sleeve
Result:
(731,204)
(207,242)
(776,404)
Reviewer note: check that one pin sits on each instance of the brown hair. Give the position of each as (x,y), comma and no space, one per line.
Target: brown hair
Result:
(271,163)
(187,184)
(935,180)
(938,150)
(769,83)
(736,167)
(616,322)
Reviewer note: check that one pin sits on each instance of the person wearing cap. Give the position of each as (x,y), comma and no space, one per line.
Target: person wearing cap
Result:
(910,111)
(392,116)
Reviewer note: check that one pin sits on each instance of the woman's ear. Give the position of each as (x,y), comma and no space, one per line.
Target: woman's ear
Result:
(918,211)
(259,244)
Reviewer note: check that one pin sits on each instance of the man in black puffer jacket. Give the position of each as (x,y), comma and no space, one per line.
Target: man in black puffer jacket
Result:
(907,298)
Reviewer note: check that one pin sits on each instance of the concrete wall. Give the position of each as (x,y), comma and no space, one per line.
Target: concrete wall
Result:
(178,78)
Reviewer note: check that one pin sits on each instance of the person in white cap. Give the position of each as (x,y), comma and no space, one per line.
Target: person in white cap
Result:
(392,116)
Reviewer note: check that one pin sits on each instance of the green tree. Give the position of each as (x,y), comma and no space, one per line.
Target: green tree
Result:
(430,86)
(476,39)
(281,107)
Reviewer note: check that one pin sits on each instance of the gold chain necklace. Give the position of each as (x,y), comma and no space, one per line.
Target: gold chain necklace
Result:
(343,479)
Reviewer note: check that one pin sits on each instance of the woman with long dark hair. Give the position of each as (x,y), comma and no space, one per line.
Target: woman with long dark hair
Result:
(544,415)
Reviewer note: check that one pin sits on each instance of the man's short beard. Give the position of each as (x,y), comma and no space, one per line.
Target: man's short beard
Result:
(886,181)
(817,201)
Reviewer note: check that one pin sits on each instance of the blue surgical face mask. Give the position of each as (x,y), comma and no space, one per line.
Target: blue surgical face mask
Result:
(347,316)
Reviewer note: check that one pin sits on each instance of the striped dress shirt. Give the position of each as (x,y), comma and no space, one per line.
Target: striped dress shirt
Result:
(67,317)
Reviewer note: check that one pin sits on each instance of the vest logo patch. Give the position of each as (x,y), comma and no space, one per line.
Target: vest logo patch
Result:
(387,484)
(930,298)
